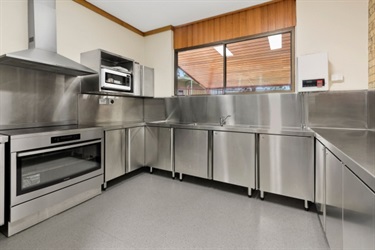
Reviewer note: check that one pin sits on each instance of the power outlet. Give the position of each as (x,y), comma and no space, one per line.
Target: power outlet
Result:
(103,101)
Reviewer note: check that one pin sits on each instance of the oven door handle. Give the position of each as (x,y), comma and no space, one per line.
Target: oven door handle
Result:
(42,151)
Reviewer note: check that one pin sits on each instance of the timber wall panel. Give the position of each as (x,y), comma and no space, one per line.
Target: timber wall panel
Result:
(267,17)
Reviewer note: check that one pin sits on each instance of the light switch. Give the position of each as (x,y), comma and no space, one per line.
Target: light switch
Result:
(337,77)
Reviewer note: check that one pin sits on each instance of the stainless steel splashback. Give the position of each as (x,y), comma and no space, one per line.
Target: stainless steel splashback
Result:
(267,110)
(371,109)
(154,109)
(337,109)
(47,99)
(123,109)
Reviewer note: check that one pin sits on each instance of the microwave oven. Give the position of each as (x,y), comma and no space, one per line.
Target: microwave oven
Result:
(111,79)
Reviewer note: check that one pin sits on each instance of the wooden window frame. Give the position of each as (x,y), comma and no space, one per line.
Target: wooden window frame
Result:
(242,39)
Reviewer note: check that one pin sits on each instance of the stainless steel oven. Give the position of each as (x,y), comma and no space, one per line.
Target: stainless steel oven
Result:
(51,171)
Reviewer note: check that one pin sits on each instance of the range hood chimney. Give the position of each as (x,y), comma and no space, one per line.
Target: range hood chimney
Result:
(41,54)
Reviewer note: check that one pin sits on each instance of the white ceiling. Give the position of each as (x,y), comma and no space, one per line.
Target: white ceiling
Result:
(147,15)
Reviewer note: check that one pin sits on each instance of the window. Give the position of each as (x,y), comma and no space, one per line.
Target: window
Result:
(262,63)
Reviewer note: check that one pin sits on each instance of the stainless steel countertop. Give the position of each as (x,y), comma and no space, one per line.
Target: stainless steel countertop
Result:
(116,125)
(355,148)
(234,128)
(3,138)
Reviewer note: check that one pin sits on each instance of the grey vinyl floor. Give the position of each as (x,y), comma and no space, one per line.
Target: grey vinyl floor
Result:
(153,211)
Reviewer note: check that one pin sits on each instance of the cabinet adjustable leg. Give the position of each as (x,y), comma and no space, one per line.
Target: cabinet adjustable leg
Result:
(306,205)
(262,195)
(104,186)
(150,170)
(173,175)
(249,192)
(180,176)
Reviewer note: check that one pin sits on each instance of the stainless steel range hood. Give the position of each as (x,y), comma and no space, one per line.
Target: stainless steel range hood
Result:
(41,54)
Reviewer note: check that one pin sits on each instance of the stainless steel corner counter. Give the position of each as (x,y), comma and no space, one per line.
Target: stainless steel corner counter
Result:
(345,185)
(123,148)
(293,131)
(354,147)
(247,151)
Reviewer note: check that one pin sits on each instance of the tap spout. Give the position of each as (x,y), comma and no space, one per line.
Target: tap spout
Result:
(223,120)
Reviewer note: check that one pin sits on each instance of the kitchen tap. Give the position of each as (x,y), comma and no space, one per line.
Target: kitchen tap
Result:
(223,120)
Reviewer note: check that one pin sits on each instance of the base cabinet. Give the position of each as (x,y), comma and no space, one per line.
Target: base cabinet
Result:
(333,205)
(286,166)
(191,152)
(115,150)
(320,176)
(2,184)
(345,202)
(234,158)
(358,213)
(158,148)
(135,148)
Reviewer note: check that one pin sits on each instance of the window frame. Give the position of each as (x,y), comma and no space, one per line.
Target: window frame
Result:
(241,39)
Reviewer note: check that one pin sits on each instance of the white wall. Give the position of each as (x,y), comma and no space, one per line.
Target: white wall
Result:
(159,54)
(336,26)
(340,28)
(78,29)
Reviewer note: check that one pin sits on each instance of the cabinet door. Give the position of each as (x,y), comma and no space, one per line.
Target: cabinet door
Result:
(158,148)
(114,154)
(234,158)
(136,148)
(333,201)
(320,158)
(286,165)
(359,213)
(191,152)
(2,179)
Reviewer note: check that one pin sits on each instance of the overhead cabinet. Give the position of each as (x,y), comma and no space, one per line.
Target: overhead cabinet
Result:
(234,158)
(286,166)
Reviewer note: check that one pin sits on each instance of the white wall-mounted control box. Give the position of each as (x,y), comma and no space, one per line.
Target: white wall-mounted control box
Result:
(312,72)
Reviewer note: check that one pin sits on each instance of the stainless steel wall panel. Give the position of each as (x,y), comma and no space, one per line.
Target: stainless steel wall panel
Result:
(359,213)
(123,109)
(193,109)
(337,109)
(132,109)
(172,109)
(268,110)
(371,109)
(31,98)
(154,109)
(279,110)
